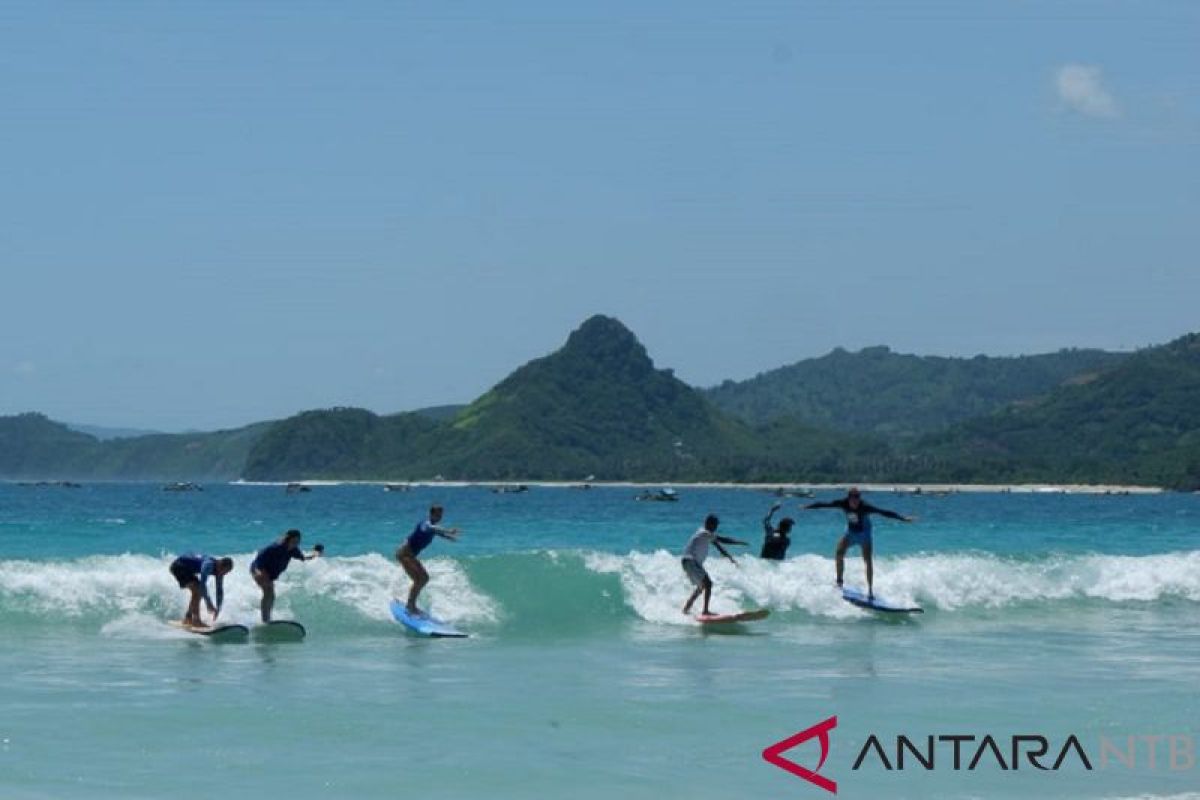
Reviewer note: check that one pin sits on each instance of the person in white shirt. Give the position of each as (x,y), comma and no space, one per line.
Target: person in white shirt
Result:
(693,560)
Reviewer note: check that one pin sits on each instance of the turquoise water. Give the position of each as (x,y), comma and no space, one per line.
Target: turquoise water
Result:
(1046,614)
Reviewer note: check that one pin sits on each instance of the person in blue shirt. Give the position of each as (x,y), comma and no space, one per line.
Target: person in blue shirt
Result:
(272,561)
(192,571)
(418,540)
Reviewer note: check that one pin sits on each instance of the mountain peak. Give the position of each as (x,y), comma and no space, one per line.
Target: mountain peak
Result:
(607,341)
(598,326)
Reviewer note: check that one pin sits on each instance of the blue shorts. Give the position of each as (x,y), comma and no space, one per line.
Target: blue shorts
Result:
(858,538)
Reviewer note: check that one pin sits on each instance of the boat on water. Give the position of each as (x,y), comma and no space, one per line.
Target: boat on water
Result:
(665,495)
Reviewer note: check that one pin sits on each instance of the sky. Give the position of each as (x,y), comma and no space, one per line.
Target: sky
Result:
(218,213)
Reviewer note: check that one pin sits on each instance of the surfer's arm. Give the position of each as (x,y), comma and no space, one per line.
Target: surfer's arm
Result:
(299,554)
(885,513)
(819,504)
(220,595)
(206,570)
(446,533)
(767,526)
(729,540)
(722,550)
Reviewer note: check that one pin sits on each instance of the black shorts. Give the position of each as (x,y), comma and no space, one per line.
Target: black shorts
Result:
(184,576)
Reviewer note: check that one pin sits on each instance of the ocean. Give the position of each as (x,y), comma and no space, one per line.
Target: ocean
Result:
(1064,617)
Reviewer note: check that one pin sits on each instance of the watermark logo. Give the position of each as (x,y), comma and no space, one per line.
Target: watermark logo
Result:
(820,732)
(968,752)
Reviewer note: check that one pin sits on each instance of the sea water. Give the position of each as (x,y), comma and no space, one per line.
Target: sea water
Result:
(1046,614)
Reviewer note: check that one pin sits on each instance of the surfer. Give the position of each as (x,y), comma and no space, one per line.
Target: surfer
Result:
(858,531)
(272,561)
(417,541)
(192,571)
(693,559)
(775,540)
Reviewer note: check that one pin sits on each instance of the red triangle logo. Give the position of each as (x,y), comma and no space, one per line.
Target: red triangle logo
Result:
(820,732)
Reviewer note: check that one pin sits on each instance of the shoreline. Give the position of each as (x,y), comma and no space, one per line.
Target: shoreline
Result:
(934,489)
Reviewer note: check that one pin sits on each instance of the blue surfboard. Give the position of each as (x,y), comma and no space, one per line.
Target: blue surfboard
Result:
(423,624)
(859,598)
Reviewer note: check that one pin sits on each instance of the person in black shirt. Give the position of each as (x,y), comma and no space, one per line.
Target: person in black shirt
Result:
(272,561)
(858,531)
(775,540)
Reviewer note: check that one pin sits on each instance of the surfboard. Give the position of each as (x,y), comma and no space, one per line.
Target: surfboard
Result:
(859,598)
(725,619)
(279,630)
(218,633)
(423,624)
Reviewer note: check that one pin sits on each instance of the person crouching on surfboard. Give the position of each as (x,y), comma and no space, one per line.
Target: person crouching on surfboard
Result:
(418,540)
(693,559)
(858,531)
(191,571)
(272,561)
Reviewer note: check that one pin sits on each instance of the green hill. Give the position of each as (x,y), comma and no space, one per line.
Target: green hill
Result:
(1138,422)
(34,447)
(597,406)
(902,396)
(344,443)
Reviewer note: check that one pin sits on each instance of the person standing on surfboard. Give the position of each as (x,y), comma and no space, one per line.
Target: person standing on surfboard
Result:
(418,540)
(191,571)
(858,531)
(775,540)
(272,561)
(693,560)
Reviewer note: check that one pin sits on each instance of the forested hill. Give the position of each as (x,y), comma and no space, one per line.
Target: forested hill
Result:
(597,406)
(891,394)
(1138,422)
(34,447)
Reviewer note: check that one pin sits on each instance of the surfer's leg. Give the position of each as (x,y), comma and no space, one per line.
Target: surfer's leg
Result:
(268,594)
(697,576)
(687,607)
(839,558)
(192,617)
(707,593)
(416,572)
(866,551)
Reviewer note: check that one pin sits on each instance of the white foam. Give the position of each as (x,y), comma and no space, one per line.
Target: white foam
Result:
(369,583)
(655,586)
(135,588)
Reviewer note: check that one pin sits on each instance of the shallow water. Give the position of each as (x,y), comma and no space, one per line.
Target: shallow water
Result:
(1046,614)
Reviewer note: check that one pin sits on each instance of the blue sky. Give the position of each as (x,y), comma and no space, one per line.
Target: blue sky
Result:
(215,213)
